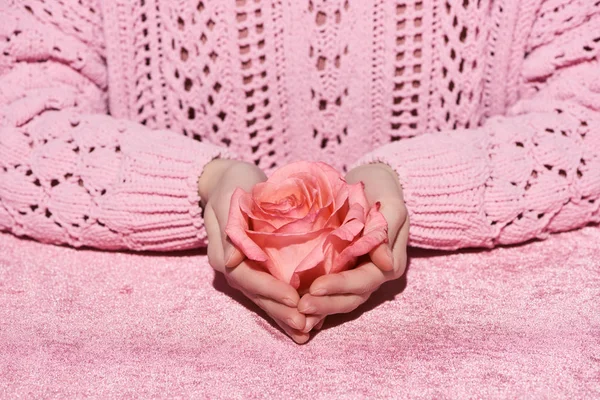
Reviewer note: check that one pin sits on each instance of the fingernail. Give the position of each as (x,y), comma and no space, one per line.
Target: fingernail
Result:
(389,266)
(229,257)
(293,324)
(289,302)
(308,309)
(308,328)
(390,255)
(319,292)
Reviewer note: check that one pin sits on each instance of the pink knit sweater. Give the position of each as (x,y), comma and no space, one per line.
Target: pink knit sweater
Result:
(109,109)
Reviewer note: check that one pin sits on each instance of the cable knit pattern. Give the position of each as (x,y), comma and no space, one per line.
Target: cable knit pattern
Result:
(488,111)
(71,175)
(519,176)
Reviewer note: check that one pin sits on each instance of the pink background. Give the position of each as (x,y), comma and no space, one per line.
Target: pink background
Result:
(512,322)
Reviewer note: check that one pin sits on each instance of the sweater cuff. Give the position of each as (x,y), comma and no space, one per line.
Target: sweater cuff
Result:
(155,204)
(443,179)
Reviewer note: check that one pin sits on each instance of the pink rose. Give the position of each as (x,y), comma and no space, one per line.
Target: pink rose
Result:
(303,222)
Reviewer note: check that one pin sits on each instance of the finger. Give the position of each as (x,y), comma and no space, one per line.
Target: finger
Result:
(363,279)
(231,255)
(288,315)
(400,249)
(215,249)
(319,325)
(379,180)
(251,279)
(234,257)
(268,307)
(383,257)
(296,335)
(394,212)
(327,305)
(382,185)
(237,176)
(312,321)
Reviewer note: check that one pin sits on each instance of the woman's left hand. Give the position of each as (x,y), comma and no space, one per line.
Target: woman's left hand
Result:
(345,291)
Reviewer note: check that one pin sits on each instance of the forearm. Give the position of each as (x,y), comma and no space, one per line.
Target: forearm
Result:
(515,179)
(71,174)
(104,183)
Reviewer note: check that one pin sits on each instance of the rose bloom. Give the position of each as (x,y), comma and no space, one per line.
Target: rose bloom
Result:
(303,222)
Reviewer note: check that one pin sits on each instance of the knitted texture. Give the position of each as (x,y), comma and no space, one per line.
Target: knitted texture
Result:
(488,111)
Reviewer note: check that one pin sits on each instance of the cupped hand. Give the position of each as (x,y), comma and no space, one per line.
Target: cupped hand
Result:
(278,299)
(343,292)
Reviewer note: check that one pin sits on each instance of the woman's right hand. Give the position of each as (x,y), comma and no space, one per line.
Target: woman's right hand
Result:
(278,299)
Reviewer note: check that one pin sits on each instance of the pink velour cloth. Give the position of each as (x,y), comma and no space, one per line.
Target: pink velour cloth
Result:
(519,322)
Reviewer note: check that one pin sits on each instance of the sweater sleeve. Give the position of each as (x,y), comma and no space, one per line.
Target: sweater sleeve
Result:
(71,174)
(520,176)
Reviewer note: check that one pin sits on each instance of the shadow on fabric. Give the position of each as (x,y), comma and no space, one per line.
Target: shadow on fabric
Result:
(387,292)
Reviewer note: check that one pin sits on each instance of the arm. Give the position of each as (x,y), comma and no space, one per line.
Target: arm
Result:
(521,176)
(71,174)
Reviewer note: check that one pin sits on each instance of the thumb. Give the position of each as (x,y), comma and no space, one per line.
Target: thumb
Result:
(320,324)
(382,257)
(232,256)
(395,214)
(243,177)
(382,186)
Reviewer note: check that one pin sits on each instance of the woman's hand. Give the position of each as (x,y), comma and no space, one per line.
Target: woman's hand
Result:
(279,300)
(343,292)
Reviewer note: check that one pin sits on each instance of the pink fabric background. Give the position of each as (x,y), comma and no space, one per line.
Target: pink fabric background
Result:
(520,322)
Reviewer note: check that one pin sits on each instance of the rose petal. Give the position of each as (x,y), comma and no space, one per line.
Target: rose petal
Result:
(248,207)
(305,221)
(373,228)
(339,240)
(314,257)
(319,185)
(260,226)
(268,202)
(237,228)
(356,212)
(334,178)
(357,196)
(339,209)
(329,180)
(286,251)
(302,280)
(311,266)
(313,221)
(340,206)
(318,219)
(374,233)
(375,222)
(281,199)
(350,230)
(344,210)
